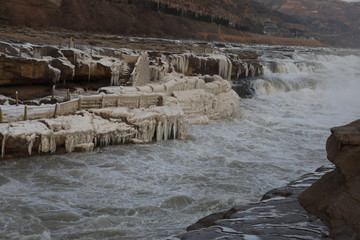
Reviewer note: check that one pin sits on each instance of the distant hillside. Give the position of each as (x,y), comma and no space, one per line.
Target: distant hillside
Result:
(189,19)
(182,18)
(336,22)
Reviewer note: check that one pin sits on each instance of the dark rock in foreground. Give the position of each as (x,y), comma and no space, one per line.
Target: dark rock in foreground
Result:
(278,216)
(335,198)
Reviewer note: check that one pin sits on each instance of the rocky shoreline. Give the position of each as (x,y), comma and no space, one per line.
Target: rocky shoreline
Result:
(278,216)
(335,198)
(319,205)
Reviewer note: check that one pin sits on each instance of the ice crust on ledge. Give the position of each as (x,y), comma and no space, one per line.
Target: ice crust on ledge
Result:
(98,127)
(186,100)
(200,101)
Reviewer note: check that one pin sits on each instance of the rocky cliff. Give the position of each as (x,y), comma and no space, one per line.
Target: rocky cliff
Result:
(335,198)
(334,22)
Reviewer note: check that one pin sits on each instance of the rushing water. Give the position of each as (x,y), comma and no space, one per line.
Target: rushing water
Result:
(155,190)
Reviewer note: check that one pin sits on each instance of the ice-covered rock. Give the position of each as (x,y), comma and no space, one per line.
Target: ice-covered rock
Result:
(200,101)
(141,73)
(167,93)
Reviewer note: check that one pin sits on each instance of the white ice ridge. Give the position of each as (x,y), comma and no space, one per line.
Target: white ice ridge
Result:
(181,63)
(118,115)
(200,101)
(141,72)
(100,127)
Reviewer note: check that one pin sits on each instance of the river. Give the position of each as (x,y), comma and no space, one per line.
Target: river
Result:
(155,190)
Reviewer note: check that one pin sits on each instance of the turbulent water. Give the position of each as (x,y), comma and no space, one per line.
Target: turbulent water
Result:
(155,190)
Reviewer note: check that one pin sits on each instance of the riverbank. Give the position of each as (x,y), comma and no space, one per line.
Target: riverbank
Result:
(278,216)
(335,198)
(331,193)
(56,36)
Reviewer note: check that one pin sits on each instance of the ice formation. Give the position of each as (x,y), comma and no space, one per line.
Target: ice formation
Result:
(57,74)
(159,105)
(152,112)
(200,101)
(141,72)
(159,68)
(225,66)
(181,63)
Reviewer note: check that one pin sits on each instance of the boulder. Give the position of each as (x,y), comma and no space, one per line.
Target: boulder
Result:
(26,71)
(335,198)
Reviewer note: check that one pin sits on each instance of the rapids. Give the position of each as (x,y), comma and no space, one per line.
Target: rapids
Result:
(152,191)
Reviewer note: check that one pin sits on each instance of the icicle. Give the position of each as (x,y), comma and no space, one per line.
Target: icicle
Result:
(174,129)
(31,140)
(114,79)
(69,143)
(3,144)
(92,67)
(225,68)
(116,70)
(44,145)
(229,69)
(238,73)
(181,63)
(57,74)
(166,130)
(252,70)
(52,144)
(72,72)
(246,70)
(158,132)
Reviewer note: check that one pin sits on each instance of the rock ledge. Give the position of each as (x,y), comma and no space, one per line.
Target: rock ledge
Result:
(335,198)
(278,216)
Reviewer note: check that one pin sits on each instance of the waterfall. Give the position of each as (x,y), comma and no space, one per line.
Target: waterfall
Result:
(314,72)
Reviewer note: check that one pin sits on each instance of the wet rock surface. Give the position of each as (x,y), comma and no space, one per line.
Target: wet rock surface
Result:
(278,216)
(335,198)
